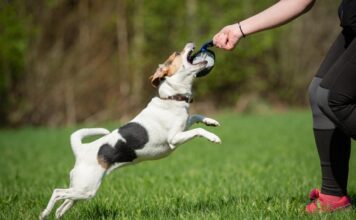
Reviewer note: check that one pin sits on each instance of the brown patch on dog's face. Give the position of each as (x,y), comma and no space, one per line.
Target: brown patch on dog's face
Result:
(103,163)
(168,68)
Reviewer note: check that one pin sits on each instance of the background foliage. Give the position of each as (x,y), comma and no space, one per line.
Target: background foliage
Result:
(69,61)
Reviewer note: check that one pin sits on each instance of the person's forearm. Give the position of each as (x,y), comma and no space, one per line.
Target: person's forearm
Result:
(278,14)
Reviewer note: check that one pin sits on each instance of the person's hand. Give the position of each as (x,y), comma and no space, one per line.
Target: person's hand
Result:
(228,37)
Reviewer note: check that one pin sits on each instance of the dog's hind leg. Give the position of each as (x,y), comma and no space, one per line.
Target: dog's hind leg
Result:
(71,194)
(67,204)
(56,195)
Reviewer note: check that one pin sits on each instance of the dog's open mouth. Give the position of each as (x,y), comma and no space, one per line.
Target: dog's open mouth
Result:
(205,58)
(191,58)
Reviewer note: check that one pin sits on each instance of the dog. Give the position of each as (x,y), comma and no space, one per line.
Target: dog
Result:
(153,134)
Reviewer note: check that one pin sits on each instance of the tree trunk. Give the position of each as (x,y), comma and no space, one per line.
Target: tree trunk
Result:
(71,114)
(191,6)
(123,51)
(137,58)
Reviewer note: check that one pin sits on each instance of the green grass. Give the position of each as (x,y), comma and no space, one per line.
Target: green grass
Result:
(263,170)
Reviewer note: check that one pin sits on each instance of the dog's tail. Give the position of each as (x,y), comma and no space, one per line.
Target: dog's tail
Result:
(77,136)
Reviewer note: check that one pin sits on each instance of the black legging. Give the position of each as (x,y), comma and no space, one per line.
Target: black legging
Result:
(333,101)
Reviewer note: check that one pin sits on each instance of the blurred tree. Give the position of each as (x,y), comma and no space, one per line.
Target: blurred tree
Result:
(13,46)
(137,55)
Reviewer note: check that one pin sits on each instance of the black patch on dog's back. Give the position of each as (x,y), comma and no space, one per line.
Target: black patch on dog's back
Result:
(136,137)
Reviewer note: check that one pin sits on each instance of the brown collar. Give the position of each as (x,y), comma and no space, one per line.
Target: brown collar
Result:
(179,97)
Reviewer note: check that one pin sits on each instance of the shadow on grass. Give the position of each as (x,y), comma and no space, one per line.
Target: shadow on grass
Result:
(352,196)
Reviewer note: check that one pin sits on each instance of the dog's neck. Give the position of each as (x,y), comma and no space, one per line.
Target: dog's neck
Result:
(169,88)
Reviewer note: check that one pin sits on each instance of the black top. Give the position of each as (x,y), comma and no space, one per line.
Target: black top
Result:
(347,14)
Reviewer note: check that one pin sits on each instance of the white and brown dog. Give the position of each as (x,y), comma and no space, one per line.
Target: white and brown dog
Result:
(154,133)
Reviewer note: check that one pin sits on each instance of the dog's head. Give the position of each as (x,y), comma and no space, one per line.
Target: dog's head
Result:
(178,68)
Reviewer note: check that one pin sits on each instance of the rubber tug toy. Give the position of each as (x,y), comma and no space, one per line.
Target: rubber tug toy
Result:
(204,54)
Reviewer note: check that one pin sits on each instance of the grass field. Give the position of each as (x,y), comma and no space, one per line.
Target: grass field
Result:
(263,170)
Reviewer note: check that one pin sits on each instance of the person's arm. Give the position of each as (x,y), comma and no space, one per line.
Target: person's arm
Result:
(278,14)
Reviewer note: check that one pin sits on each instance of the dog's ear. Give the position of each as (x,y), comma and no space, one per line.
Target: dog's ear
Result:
(160,73)
(165,69)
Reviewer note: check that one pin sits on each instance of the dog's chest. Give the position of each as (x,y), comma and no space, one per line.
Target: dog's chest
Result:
(162,117)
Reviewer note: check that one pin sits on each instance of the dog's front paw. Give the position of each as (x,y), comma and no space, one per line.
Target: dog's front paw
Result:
(213,138)
(211,122)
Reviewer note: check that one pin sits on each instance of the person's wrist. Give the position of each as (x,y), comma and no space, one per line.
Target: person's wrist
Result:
(240,29)
(236,31)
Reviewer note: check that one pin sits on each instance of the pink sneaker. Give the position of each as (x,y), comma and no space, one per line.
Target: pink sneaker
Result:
(326,203)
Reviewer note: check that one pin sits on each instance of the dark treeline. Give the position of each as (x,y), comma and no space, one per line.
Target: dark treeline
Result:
(69,61)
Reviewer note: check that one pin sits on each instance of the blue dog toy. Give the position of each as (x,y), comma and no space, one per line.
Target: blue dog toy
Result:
(204,54)
(207,45)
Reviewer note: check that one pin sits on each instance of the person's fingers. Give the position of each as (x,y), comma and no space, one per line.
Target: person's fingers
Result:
(222,40)
(215,40)
(229,47)
(232,40)
(219,40)
(226,38)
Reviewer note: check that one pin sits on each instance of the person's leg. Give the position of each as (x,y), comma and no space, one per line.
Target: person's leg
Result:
(334,153)
(332,144)
(337,93)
